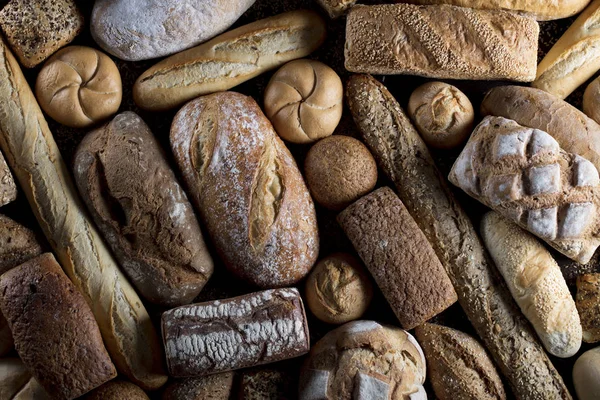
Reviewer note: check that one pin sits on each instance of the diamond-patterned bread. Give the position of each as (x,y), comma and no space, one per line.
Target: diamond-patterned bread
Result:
(524,174)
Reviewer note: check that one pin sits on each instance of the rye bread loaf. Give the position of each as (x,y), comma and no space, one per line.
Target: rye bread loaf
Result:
(398,256)
(240,332)
(248,189)
(117,390)
(8,188)
(210,387)
(404,157)
(133,196)
(34,157)
(588,305)
(441,41)
(16,382)
(54,329)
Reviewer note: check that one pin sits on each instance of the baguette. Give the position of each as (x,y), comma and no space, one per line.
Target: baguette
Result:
(441,42)
(534,108)
(404,157)
(536,283)
(574,58)
(32,153)
(229,59)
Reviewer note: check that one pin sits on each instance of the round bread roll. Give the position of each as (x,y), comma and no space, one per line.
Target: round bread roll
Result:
(591,100)
(117,390)
(586,375)
(339,170)
(442,114)
(338,289)
(364,360)
(304,101)
(79,87)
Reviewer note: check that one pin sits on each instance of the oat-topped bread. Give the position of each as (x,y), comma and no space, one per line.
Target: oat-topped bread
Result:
(524,175)
(35,29)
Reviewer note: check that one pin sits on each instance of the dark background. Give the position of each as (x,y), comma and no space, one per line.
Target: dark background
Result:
(222,284)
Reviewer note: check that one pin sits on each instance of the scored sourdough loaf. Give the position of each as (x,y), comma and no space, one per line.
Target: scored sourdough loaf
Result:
(574,58)
(536,283)
(404,157)
(134,197)
(240,332)
(524,175)
(247,188)
(398,256)
(444,42)
(229,59)
(35,159)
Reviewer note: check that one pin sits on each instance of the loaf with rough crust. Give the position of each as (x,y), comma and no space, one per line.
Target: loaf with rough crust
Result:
(443,42)
(8,188)
(588,305)
(404,157)
(209,387)
(17,244)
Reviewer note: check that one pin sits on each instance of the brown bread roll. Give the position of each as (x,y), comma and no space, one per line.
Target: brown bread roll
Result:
(339,170)
(588,305)
(16,382)
(304,101)
(229,59)
(458,366)
(54,329)
(591,100)
(8,188)
(247,188)
(338,289)
(79,87)
(398,256)
(364,360)
(142,211)
(210,387)
(442,114)
(117,390)
(586,375)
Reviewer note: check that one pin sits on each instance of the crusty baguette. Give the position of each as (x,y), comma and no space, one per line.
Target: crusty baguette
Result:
(535,108)
(404,157)
(541,10)
(574,58)
(229,59)
(32,153)
(441,42)
(536,283)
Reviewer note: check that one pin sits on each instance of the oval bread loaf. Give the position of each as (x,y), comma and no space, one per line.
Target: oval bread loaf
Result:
(229,59)
(247,188)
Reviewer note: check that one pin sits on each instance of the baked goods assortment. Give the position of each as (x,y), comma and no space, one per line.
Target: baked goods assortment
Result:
(185,237)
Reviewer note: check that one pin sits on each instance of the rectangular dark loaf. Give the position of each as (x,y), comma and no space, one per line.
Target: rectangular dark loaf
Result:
(240,332)
(398,256)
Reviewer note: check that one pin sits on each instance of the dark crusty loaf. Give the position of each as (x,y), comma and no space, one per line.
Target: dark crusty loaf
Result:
(142,211)
(404,157)
(117,390)
(54,329)
(398,256)
(240,332)
(247,188)
(8,188)
(441,42)
(209,387)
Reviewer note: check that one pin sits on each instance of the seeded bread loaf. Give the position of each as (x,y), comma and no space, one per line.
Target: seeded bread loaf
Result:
(210,387)
(442,41)
(117,390)
(248,189)
(404,157)
(16,382)
(588,305)
(8,189)
(240,332)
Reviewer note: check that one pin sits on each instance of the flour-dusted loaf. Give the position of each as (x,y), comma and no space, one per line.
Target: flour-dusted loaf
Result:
(524,175)
(364,360)
(210,387)
(247,188)
(229,59)
(588,305)
(240,332)
(54,329)
(535,108)
(536,283)
(135,30)
(488,304)
(458,366)
(8,188)
(34,157)
(398,256)
(442,41)
(16,382)
(133,196)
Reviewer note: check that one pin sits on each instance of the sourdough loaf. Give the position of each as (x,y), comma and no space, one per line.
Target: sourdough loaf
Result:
(8,189)
(588,305)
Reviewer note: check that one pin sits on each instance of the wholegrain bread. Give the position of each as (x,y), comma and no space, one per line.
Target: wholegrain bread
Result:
(404,157)
(34,157)
(588,305)
(210,387)
(443,41)
(17,244)
(229,59)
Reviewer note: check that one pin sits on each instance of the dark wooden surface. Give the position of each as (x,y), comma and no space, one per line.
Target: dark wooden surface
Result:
(222,284)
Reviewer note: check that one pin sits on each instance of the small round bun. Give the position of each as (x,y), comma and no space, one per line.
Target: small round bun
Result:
(117,390)
(339,170)
(591,100)
(304,101)
(79,87)
(338,289)
(442,114)
(586,375)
